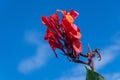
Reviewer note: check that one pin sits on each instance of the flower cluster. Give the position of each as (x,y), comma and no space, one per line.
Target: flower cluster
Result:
(64,34)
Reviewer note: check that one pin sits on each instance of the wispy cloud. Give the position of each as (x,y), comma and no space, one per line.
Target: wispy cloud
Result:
(108,54)
(73,74)
(116,38)
(113,76)
(39,58)
(33,37)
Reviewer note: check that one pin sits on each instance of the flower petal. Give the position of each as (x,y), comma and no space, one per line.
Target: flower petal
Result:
(45,21)
(77,45)
(77,36)
(74,14)
(55,17)
(69,18)
(75,31)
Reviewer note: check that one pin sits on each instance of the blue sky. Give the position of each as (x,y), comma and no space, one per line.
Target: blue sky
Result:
(24,55)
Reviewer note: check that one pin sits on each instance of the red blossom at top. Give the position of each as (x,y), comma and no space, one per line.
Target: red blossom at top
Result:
(63,34)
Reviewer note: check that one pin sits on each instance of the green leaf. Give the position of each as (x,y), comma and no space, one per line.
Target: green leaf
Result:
(91,75)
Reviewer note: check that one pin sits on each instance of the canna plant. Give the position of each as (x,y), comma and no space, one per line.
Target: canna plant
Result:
(65,35)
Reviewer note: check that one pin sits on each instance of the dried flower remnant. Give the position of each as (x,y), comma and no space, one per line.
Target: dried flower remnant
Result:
(65,35)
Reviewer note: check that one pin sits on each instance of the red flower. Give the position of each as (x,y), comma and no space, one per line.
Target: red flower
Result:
(64,34)
(53,41)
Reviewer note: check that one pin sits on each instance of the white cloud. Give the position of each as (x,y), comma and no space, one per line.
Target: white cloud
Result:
(113,76)
(40,57)
(116,38)
(108,54)
(33,37)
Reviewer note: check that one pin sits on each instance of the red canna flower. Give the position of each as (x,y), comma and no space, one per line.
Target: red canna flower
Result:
(64,34)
